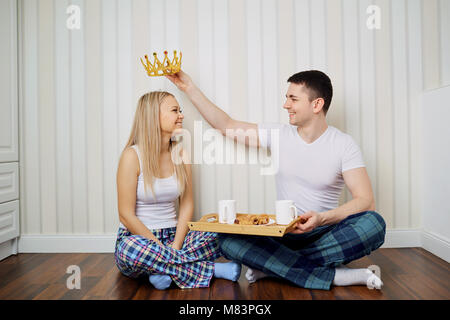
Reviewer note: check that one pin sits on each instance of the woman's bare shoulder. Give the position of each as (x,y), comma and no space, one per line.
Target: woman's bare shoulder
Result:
(129,160)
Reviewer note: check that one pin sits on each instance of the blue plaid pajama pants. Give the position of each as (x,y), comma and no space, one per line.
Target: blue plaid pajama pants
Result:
(190,267)
(308,260)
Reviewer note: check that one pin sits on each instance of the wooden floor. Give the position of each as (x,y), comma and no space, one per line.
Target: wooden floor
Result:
(410,273)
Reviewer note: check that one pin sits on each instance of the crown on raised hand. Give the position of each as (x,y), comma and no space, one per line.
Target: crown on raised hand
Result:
(166,67)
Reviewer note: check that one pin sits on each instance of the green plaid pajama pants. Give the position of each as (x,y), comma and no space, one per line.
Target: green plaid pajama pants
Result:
(308,260)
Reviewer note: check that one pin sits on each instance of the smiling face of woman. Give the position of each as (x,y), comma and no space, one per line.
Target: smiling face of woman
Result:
(170,116)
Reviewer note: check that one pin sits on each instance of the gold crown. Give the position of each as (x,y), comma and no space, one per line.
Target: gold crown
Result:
(158,68)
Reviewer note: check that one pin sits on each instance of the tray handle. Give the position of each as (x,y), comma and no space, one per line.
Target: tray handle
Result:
(291,225)
(208,216)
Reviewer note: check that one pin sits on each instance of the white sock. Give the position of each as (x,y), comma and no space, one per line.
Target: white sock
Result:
(347,277)
(228,270)
(252,275)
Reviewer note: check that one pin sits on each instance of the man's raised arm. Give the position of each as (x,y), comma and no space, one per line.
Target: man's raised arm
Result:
(240,131)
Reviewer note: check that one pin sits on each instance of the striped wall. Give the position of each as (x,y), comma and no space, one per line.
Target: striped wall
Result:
(79,90)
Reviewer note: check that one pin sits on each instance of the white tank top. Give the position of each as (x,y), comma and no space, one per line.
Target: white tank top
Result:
(159,213)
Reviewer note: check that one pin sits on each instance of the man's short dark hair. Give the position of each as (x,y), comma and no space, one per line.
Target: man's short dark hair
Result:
(318,85)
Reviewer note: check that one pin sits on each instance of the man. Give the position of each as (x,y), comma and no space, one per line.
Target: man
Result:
(315,161)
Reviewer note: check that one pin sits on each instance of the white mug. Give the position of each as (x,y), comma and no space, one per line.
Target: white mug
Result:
(227,211)
(285,211)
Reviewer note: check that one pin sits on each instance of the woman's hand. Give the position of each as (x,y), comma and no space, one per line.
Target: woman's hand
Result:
(181,80)
(174,246)
(157,242)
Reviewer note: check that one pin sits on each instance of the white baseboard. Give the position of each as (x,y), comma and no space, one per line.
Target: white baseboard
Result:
(436,244)
(67,243)
(403,238)
(105,243)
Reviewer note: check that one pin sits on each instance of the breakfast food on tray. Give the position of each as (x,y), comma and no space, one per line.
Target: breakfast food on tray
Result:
(264,219)
(254,219)
(265,225)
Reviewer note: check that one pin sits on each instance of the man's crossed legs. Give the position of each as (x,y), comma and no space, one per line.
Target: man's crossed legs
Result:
(312,260)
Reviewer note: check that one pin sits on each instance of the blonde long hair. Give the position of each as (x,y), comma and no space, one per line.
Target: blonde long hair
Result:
(146,134)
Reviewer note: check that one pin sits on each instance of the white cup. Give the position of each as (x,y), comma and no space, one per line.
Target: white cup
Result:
(285,211)
(227,211)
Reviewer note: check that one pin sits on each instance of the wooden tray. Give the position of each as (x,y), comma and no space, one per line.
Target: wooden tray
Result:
(273,230)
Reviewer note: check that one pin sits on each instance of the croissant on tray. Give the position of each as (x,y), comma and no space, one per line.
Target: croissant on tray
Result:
(254,219)
(263,219)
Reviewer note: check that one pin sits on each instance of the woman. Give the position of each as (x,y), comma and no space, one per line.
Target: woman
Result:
(150,240)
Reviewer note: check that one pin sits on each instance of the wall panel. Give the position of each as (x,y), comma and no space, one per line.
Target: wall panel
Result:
(80,89)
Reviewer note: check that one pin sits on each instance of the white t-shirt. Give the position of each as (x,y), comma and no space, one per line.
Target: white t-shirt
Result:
(310,174)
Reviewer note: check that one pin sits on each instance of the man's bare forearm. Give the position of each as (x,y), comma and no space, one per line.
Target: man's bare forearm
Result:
(215,116)
(351,207)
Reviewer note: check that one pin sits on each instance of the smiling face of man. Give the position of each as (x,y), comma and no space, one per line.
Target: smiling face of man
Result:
(308,96)
(299,106)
